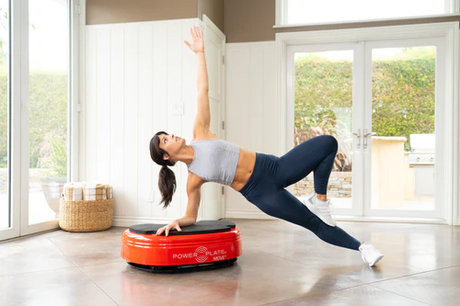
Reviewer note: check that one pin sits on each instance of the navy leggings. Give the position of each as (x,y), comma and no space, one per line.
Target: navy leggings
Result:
(265,187)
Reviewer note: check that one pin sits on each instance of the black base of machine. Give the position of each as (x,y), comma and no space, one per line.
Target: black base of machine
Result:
(185,268)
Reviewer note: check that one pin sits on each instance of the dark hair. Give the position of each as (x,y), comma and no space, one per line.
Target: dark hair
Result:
(166,179)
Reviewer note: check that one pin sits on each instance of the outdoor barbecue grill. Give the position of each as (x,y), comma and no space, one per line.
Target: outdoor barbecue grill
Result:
(422,159)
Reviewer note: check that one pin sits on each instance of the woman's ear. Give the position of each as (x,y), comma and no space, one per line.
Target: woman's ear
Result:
(165,157)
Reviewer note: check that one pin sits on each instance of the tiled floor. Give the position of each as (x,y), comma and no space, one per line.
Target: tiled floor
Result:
(282,264)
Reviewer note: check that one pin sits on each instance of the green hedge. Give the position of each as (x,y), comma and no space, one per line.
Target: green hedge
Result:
(48,119)
(402,97)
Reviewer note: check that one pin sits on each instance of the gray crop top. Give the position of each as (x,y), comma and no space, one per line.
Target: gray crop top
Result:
(215,160)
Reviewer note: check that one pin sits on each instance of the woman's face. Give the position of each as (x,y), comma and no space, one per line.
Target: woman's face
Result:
(171,144)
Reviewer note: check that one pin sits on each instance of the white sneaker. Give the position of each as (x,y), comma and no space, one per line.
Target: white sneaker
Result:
(321,209)
(370,254)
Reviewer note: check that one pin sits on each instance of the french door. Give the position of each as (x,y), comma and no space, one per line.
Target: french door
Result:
(36,78)
(410,104)
(380,99)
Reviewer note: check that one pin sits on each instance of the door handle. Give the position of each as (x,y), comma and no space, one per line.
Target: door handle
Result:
(365,137)
(359,138)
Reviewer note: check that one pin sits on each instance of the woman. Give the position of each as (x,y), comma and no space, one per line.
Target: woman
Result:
(260,178)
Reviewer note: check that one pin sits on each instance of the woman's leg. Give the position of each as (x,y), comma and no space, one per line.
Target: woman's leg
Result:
(264,190)
(282,204)
(317,155)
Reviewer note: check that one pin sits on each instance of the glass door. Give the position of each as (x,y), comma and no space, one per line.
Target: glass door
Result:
(35,113)
(403,114)
(382,101)
(45,116)
(324,97)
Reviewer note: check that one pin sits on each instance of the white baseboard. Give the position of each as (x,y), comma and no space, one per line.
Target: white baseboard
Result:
(244,214)
(390,220)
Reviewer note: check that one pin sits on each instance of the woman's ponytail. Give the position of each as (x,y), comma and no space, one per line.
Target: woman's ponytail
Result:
(166,178)
(167,185)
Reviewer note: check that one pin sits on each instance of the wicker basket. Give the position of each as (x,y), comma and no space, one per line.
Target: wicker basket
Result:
(85,216)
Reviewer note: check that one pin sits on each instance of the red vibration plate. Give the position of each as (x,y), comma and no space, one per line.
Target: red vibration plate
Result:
(179,250)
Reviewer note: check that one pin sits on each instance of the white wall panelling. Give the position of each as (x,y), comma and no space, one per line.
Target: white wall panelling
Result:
(252,110)
(136,76)
(115,113)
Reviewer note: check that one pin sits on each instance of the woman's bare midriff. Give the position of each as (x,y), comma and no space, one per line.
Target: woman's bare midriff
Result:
(244,170)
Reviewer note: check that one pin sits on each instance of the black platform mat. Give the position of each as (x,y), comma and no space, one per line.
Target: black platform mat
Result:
(201,227)
(185,268)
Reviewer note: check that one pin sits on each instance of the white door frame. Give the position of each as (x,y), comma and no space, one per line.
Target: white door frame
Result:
(77,19)
(440,129)
(19,154)
(357,120)
(72,117)
(14,160)
(449,31)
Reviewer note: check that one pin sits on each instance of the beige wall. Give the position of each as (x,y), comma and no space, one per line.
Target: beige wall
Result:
(214,9)
(118,11)
(249,20)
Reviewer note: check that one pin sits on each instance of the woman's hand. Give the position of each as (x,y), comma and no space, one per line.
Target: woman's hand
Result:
(197,36)
(167,228)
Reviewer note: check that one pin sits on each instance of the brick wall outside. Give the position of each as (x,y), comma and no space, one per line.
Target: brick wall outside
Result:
(339,185)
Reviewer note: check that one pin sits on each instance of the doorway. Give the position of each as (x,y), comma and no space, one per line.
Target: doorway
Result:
(383,101)
(35,99)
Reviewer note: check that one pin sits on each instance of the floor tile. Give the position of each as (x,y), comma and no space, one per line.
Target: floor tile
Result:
(255,278)
(440,287)
(91,248)
(31,255)
(68,286)
(363,295)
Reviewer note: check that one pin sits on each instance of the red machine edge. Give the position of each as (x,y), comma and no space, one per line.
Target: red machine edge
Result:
(178,250)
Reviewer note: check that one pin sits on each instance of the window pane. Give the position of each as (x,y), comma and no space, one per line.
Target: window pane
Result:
(4,117)
(48,43)
(314,11)
(323,106)
(403,117)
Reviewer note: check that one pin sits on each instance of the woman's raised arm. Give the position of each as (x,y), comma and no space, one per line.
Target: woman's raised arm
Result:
(203,117)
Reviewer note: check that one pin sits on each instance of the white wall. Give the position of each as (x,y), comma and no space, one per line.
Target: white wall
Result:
(136,74)
(252,114)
